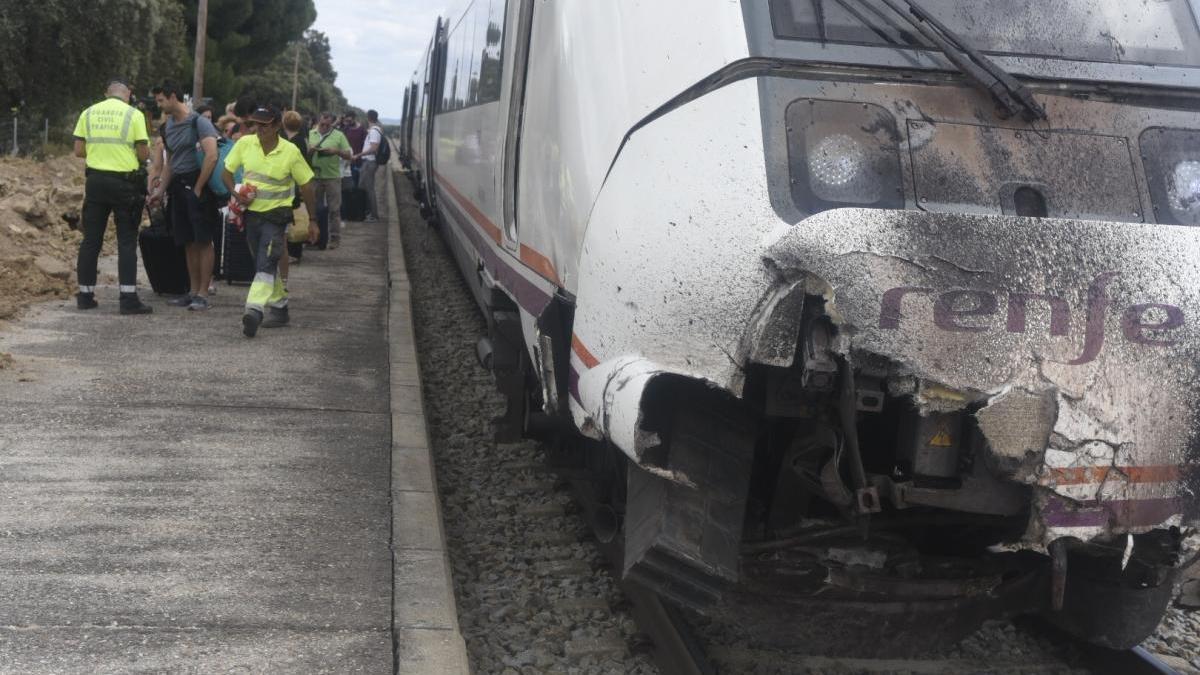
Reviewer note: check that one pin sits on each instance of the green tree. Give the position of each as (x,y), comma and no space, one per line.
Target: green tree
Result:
(243,36)
(56,55)
(317,90)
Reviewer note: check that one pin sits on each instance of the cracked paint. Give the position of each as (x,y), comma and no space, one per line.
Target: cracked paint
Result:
(1077,340)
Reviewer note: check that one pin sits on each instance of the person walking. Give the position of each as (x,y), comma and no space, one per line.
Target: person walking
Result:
(357,136)
(111,136)
(293,132)
(327,146)
(194,210)
(275,169)
(366,174)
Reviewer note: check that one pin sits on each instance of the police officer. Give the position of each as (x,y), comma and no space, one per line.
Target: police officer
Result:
(112,136)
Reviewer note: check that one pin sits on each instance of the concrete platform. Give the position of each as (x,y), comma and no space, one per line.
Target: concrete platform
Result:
(176,497)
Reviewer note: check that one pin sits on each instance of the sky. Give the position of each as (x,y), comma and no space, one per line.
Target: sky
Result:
(376,46)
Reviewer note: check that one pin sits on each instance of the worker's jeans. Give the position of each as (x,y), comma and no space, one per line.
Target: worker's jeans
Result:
(329,193)
(106,194)
(366,180)
(267,236)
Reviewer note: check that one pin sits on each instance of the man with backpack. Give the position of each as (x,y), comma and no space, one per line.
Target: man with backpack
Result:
(327,146)
(375,152)
(192,156)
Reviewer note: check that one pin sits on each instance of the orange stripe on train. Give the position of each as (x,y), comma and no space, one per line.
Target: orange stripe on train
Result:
(529,256)
(1087,475)
(582,352)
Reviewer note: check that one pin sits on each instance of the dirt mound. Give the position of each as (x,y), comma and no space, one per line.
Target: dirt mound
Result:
(37,247)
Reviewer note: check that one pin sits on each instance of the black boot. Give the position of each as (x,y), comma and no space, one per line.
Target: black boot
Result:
(131,304)
(276,317)
(86,301)
(250,321)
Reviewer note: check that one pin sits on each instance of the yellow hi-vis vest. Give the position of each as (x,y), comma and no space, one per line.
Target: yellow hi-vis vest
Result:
(111,129)
(275,175)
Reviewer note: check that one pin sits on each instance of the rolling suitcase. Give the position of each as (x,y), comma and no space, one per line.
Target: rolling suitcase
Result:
(165,262)
(354,205)
(237,264)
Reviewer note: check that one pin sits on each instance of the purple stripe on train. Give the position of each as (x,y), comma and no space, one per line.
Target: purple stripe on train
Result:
(1060,512)
(573,384)
(527,294)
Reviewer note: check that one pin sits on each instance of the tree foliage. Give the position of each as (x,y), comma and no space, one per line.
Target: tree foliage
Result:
(58,54)
(316,91)
(243,36)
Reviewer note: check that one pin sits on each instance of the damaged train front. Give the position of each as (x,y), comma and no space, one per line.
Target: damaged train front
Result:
(900,362)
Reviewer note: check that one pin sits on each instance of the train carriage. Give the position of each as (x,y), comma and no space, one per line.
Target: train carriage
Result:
(849,308)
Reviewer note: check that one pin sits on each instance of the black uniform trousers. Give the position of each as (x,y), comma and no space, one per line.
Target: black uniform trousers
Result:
(123,198)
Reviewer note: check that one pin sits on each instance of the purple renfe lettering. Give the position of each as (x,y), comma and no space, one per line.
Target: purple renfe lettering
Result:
(1060,313)
(945,315)
(1135,329)
(889,315)
(1098,302)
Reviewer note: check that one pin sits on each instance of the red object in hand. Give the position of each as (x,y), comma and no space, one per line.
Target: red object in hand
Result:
(243,194)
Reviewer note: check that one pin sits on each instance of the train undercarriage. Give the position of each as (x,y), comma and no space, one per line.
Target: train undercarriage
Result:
(834,501)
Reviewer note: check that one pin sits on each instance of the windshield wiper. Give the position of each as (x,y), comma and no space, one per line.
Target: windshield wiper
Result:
(1014,98)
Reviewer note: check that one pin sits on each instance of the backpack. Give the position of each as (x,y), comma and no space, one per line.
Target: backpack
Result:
(384,152)
(224,145)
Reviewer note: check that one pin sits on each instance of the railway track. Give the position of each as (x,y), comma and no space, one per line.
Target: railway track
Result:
(538,593)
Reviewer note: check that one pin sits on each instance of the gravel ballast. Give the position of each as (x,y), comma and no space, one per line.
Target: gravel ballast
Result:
(532,591)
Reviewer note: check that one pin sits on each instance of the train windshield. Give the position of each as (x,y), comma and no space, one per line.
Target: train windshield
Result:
(1162,32)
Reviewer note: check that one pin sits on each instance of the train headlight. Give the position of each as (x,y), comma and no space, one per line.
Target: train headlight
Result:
(835,162)
(1172,161)
(1184,193)
(843,154)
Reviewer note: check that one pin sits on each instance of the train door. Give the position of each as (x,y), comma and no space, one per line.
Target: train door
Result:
(521,27)
(404,117)
(433,98)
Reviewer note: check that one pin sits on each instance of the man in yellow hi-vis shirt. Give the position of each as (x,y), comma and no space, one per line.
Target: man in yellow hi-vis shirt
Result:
(112,136)
(276,169)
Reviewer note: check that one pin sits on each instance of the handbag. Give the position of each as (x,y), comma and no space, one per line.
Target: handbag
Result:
(298,231)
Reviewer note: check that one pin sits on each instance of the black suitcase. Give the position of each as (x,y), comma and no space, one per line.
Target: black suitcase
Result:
(354,205)
(165,262)
(237,265)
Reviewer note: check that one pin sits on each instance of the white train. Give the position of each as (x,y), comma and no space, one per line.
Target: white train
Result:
(850,307)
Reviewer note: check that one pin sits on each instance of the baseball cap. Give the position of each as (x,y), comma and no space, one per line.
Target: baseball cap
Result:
(264,114)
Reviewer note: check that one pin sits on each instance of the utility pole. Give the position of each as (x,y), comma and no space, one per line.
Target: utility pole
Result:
(296,74)
(201,43)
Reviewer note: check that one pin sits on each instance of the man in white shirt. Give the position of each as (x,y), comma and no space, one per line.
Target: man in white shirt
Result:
(366,175)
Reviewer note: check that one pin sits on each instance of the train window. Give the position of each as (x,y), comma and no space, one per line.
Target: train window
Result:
(1162,32)
(465,34)
(453,65)
(473,56)
(480,28)
(489,73)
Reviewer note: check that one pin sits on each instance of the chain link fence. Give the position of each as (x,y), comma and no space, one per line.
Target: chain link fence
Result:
(34,136)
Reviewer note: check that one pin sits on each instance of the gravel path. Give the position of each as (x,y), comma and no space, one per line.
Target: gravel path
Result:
(533,594)
(1179,636)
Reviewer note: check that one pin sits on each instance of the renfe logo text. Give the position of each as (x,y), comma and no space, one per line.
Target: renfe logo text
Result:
(956,312)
